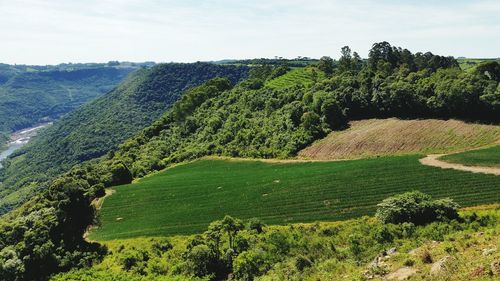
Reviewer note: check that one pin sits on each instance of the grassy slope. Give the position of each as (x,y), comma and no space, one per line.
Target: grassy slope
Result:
(297,76)
(394,136)
(489,157)
(465,244)
(184,199)
(468,64)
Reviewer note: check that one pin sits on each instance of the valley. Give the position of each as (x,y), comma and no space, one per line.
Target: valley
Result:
(262,169)
(19,138)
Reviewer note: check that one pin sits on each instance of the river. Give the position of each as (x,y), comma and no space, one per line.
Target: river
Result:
(19,138)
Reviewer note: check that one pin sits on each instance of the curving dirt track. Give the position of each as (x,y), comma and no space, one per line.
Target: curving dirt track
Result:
(432,160)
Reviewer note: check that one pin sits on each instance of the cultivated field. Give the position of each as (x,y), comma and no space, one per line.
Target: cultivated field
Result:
(185,198)
(469,64)
(298,76)
(489,157)
(374,137)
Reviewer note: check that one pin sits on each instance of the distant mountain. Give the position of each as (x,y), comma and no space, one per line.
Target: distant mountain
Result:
(98,127)
(32,94)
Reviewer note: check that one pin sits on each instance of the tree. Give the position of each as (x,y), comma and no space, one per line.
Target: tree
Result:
(311,122)
(120,174)
(256,224)
(335,117)
(356,62)
(231,226)
(490,70)
(345,61)
(325,64)
(416,207)
(202,260)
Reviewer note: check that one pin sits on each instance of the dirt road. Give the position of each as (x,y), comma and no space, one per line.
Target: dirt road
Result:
(432,160)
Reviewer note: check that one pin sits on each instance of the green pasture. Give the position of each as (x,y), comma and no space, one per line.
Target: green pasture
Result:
(186,198)
(489,157)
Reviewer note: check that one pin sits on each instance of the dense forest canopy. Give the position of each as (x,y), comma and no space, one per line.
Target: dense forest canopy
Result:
(264,116)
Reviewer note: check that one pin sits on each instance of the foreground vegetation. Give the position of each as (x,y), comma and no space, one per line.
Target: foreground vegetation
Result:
(489,157)
(186,198)
(100,126)
(359,249)
(250,119)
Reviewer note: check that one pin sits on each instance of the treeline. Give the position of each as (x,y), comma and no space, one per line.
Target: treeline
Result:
(100,126)
(253,120)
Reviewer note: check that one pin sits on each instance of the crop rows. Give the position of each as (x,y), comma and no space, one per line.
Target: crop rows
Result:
(186,198)
(298,76)
(489,157)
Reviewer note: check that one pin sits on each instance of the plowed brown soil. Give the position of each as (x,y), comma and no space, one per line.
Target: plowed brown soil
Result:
(377,137)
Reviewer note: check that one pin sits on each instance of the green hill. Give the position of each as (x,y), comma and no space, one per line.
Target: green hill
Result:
(489,157)
(98,127)
(186,198)
(258,121)
(31,94)
(357,249)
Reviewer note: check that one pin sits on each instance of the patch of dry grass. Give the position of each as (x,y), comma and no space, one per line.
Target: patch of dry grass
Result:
(376,137)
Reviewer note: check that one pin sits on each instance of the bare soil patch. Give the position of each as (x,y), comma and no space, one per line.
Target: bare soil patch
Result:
(377,137)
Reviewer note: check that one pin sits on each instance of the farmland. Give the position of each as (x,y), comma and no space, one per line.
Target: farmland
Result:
(489,157)
(468,64)
(298,76)
(373,137)
(185,198)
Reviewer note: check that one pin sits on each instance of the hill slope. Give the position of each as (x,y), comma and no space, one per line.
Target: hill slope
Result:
(29,95)
(375,137)
(252,120)
(489,157)
(186,198)
(358,249)
(98,127)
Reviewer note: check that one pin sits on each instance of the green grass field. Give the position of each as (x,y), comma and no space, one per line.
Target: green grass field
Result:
(298,76)
(468,64)
(184,199)
(489,157)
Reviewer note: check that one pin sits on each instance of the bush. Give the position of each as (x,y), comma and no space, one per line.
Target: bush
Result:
(425,256)
(416,207)
(256,224)
(409,262)
(161,246)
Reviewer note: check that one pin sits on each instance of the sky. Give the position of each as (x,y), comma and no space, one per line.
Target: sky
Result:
(61,31)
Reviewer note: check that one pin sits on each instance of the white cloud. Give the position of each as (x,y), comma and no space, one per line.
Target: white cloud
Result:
(40,32)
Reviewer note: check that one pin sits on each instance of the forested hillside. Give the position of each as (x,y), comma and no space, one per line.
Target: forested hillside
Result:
(32,94)
(98,127)
(259,117)
(267,122)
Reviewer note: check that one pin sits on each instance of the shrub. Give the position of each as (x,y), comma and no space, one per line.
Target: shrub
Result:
(425,256)
(250,264)
(134,258)
(409,262)
(416,207)
(161,246)
(302,262)
(256,224)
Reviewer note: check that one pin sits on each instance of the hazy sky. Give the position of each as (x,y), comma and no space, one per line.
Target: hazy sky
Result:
(50,32)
